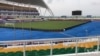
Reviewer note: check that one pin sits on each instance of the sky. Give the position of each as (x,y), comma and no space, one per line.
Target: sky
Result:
(65,7)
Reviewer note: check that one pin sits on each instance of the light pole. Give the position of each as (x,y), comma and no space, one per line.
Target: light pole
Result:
(14,22)
(51,48)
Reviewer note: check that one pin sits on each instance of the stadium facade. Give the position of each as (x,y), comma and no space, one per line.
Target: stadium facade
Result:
(17,11)
(7,11)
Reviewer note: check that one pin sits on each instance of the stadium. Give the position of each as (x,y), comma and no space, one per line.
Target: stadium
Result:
(23,32)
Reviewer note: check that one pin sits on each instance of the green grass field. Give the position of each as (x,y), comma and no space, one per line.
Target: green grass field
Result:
(47,25)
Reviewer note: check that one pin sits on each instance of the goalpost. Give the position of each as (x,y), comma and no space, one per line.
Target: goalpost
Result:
(9,24)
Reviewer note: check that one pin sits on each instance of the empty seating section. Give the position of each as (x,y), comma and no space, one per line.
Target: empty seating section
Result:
(87,44)
(7,10)
(45,47)
(1,48)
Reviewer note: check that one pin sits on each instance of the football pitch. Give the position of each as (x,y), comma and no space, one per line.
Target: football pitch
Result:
(45,25)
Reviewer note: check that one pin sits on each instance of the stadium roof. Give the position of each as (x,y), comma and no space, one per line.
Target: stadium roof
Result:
(40,3)
(32,2)
(10,7)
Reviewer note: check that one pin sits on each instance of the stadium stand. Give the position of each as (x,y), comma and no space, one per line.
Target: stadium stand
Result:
(47,46)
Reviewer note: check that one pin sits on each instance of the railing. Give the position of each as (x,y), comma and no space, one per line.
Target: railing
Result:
(52,44)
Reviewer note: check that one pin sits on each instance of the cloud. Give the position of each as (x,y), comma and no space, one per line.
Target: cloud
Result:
(65,7)
(95,3)
(50,1)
